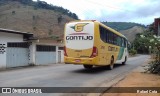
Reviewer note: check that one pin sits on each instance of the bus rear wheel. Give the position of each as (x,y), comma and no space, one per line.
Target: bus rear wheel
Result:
(123,63)
(87,66)
(111,64)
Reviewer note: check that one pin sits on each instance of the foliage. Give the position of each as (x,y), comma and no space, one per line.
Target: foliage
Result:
(44,5)
(59,19)
(148,42)
(132,52)
(142,42)
(154,67)
(122,25)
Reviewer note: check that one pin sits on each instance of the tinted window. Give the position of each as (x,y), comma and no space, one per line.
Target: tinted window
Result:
(112,38)
(102,34)
(125,43)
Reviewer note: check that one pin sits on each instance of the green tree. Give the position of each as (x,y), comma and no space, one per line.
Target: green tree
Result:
(59,19)
(148,42)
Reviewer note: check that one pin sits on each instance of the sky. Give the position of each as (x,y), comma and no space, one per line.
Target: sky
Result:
(138,11)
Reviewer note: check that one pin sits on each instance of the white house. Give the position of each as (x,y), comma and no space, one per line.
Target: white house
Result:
(14,48)
(22,49)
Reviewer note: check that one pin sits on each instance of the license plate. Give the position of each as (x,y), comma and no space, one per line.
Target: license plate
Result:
(77,60)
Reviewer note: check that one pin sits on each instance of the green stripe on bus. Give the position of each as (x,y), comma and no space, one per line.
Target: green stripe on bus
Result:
(121,51)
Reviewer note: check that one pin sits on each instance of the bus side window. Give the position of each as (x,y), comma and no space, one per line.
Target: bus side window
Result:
(122,42)
(111,37)
(102,34)
(107,36)
(115,39)
(119,41)
(125,43)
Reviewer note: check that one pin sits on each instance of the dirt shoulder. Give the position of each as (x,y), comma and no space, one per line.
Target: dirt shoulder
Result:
(138,78)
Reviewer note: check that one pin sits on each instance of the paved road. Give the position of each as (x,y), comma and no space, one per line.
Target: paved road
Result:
(60,75)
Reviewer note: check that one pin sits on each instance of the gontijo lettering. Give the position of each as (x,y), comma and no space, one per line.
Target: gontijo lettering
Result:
(79,37)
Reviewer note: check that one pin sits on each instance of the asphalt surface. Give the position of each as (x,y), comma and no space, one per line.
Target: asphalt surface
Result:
(61,75)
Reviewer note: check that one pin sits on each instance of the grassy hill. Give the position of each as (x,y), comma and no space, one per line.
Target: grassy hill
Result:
(122,25)
(128,29)
(44,23)
(131,33)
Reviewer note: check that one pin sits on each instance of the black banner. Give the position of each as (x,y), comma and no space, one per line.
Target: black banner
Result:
(79,89)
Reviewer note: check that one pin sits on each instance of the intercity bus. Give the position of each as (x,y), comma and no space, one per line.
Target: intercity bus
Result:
(91,43)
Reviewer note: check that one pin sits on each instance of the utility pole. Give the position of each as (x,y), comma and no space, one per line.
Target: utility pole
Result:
(158,28)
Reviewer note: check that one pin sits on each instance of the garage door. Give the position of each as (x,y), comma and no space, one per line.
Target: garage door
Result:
(45,54)
(17,54)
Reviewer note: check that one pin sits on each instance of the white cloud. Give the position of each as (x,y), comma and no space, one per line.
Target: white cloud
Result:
(140,11)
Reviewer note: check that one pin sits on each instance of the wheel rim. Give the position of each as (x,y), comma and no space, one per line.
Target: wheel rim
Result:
(124,61)
(111,65)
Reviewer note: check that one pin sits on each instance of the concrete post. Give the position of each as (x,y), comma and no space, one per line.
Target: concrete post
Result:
(32,53)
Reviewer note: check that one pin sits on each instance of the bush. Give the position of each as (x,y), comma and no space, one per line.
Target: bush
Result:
(132,52)
(154,67)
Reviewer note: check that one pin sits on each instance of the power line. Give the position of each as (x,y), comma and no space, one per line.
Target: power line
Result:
(108,6)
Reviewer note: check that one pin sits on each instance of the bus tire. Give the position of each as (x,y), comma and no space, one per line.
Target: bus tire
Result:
(123,63)
(111,63)
(88,66)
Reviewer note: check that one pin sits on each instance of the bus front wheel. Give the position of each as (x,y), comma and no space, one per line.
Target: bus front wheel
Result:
(111,64)
(123,63)
(87,66)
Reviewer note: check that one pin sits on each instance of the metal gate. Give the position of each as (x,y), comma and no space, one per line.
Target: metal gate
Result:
(17,54)
(45,54)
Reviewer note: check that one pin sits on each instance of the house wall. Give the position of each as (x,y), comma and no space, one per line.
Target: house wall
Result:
(4,38)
